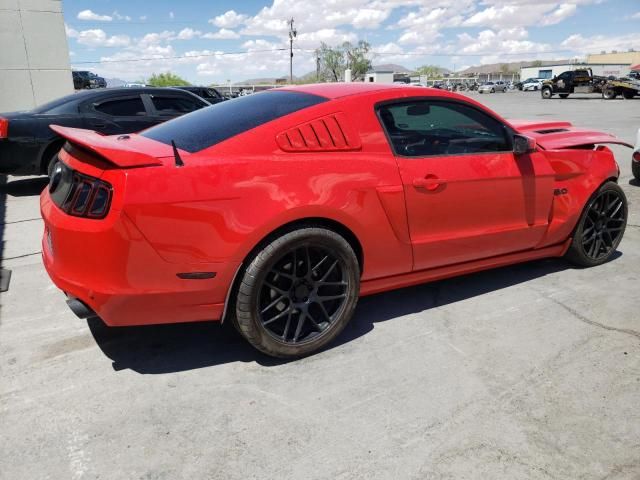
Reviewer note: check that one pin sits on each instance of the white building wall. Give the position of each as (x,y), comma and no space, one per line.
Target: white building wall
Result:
(379,77)
(34,55)
(604,70)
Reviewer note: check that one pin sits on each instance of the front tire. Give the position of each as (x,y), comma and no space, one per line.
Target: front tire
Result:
(609,94)
(600,228)
(546,93)
(298,292)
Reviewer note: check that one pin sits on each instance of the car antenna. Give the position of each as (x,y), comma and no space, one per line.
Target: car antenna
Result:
(176,155)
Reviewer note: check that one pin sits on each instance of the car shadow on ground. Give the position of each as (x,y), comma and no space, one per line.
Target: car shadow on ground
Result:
(160,349)
(634,182)
(25,187)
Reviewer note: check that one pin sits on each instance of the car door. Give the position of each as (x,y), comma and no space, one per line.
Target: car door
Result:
(167,106)
(564,82)
(467,195)
(118,114)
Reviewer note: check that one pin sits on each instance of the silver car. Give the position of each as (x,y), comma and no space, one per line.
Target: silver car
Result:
(492,87)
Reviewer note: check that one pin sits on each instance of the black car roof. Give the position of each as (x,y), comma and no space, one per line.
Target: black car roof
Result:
(100,93)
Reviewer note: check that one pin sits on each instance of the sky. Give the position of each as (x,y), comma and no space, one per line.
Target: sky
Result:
(221,40)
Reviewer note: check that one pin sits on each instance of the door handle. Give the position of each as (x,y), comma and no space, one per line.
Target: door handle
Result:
(430,182)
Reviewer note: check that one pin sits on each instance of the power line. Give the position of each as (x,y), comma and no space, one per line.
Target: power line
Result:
(217,54)
(247,52)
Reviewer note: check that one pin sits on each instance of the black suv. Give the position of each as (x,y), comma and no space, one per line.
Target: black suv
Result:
(28,145)
(211,95)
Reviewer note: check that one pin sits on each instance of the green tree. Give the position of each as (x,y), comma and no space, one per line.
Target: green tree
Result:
(356,58)
(166,80)
(429,71)
(333,61)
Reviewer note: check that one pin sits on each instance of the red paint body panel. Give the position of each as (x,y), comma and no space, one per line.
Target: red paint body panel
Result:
(558,135)
(415,219)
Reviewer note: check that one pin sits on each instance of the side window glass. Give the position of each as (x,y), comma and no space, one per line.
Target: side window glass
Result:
(174,105)
(125,107)
(418,129)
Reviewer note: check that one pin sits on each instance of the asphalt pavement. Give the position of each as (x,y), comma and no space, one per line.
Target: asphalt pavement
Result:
(525,372)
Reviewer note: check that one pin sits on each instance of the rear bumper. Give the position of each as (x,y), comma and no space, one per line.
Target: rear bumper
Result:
(109,266)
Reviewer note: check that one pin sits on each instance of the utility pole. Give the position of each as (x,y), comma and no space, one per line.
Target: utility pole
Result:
(292,35)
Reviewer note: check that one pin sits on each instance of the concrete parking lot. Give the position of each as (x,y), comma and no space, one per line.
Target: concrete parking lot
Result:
(525,372)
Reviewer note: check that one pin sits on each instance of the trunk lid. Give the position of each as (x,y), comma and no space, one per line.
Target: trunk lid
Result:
(556,135)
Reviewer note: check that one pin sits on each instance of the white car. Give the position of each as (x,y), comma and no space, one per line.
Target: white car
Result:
(635,158)
(533,85)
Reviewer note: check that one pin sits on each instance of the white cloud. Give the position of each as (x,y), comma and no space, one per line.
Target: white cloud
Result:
(171,15)
(228,19)
(597,43)
(634,16)
(522,14)
(98,38)
(188,34)
(222,34)
(152,39)
(117,16)
(71,32)
(143,17)
(330,36)
(89,15)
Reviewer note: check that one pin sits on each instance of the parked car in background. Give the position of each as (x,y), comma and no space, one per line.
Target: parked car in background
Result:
(29,147)
(211,95)
(250,209)
(635,159)
(83,80)
(492,87)
(532,84)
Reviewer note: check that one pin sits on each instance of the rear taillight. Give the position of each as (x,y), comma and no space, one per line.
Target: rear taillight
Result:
(636,156)
(78,194)
(4,127)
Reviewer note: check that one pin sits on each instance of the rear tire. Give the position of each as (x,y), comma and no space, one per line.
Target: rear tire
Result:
(298,292)
(628,95)
(609,94)
(600,228)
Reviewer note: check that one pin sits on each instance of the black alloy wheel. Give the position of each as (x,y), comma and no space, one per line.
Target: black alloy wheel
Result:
(298,292)
(303,294)
(601,227)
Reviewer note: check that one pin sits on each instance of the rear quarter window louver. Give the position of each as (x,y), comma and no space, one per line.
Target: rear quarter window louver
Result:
(330,133)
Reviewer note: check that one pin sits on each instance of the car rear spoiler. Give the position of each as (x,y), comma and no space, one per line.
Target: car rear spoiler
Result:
(559,135)
(121,150)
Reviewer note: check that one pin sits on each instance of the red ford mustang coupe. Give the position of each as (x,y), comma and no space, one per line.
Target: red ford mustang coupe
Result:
(278,210)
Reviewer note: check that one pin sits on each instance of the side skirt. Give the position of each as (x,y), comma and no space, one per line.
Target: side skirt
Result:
(377,285)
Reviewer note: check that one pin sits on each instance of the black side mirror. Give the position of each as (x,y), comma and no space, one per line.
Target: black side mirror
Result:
(523,144)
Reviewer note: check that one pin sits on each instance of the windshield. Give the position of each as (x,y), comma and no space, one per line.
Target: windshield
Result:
(203,128)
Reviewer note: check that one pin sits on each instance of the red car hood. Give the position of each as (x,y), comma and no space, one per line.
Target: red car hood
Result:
(124,151)
(558,135)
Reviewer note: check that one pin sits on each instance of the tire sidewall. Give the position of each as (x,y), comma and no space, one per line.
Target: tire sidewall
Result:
(576,252)
(249,321)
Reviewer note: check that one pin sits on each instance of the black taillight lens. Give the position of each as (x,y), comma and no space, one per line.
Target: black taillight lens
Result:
(636,156)
(78,194)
